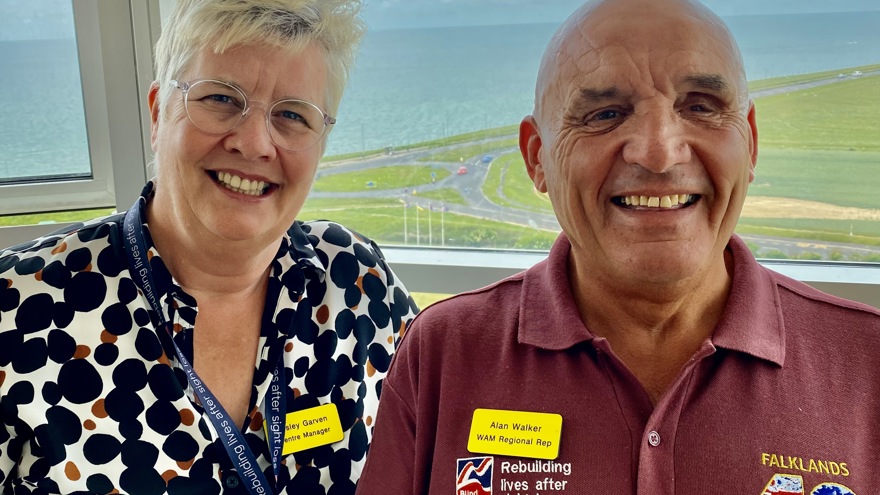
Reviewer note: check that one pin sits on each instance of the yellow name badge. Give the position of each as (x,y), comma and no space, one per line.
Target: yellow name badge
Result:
(311,428)
(515,433)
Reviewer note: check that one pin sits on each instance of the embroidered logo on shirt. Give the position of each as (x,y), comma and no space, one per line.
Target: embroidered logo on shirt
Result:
(793,484)
(474,476)
(831,489)
(785,484)
(795,463)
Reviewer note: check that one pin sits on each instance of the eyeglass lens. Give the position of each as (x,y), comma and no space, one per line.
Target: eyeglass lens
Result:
(216,108)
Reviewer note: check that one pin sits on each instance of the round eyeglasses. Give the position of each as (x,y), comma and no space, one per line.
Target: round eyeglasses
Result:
(216,107)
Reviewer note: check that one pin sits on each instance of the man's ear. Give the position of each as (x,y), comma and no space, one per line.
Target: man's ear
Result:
(153,101)
(753,145)
(530,146)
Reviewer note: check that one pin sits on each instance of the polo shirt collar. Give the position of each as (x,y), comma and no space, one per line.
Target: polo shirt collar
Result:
(548,315)
(751,323)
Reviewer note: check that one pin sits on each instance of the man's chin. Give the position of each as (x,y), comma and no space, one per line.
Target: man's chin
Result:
(661,264)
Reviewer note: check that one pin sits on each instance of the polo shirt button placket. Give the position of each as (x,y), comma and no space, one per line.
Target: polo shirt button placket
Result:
(653,439)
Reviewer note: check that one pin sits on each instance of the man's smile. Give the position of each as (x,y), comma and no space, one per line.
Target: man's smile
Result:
(669,201)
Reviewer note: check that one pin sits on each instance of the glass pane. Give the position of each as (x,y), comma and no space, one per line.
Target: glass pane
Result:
(42,121)
(425,153)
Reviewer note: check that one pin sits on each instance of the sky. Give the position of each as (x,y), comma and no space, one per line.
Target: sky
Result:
(36,19)
(391,14)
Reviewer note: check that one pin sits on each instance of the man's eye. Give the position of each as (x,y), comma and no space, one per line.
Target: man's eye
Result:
(700,108)
(606,115)
(604,120)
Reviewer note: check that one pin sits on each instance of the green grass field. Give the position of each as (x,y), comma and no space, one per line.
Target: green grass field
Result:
(435,143)
(775,82)
(462,153)
(381,178)
(444,195)
(863,231)
(383,221)
(820,144)
(841,116)
(845,178)
(508,184)
(54,217)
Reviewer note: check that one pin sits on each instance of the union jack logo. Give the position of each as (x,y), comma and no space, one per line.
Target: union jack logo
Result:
(474,476)
(785,484)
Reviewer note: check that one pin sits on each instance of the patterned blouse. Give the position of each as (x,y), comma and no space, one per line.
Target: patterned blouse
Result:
(93,398)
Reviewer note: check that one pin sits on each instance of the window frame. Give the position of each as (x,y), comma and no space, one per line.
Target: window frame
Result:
(113,87)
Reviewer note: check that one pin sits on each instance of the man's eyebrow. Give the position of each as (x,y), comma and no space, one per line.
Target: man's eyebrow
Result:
(709,82)
(599,94)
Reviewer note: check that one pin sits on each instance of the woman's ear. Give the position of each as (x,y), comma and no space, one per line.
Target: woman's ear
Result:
(153,102)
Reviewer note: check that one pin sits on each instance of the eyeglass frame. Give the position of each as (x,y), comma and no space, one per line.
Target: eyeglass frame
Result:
(184,88)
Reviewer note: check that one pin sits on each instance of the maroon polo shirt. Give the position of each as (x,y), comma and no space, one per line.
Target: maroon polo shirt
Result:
(783,398)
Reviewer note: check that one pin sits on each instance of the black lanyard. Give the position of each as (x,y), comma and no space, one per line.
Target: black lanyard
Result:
(239,452)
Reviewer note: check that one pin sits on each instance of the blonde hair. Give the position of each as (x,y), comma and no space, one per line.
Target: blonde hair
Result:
(334,25)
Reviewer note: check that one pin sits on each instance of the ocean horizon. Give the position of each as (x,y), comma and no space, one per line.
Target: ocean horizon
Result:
(408,85)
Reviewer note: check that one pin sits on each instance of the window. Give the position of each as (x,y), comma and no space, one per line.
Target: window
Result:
(44,119)
(426,139)
(427,131)
(67,135)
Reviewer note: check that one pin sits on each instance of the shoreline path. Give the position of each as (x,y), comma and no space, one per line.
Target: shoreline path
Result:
(470,186)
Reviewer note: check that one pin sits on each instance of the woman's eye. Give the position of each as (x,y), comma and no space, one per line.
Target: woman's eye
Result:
(221,98)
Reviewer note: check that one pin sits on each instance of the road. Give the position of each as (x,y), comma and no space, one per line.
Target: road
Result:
(477,205)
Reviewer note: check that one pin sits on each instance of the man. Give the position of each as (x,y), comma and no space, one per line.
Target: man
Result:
(649,353)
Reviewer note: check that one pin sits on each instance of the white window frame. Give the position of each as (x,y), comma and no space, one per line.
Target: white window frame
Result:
(450,271)
(115,60)
(116,66)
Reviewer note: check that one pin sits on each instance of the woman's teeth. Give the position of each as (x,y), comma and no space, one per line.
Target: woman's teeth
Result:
(239,185)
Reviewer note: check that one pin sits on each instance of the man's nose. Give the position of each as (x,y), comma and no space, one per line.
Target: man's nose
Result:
(657,140)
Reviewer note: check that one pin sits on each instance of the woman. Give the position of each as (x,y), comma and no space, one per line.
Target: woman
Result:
(204,341)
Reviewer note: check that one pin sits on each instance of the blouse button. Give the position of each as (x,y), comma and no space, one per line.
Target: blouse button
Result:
(231,480)
(653,439)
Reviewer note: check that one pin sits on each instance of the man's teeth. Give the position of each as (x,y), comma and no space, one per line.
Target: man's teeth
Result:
(239,185)
(658,201)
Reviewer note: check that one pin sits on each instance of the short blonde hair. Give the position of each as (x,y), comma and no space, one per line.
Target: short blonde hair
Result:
(334,25)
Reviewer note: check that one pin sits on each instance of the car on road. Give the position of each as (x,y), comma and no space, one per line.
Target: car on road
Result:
(857,73)
(462,170)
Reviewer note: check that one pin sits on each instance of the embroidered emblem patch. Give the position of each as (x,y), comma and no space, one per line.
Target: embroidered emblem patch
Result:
(831,489)
(785,484)
(474,476)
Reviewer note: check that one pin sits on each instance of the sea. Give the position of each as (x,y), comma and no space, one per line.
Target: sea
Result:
(407,86)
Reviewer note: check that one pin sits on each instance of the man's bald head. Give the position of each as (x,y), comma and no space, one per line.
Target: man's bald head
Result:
(589,37)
